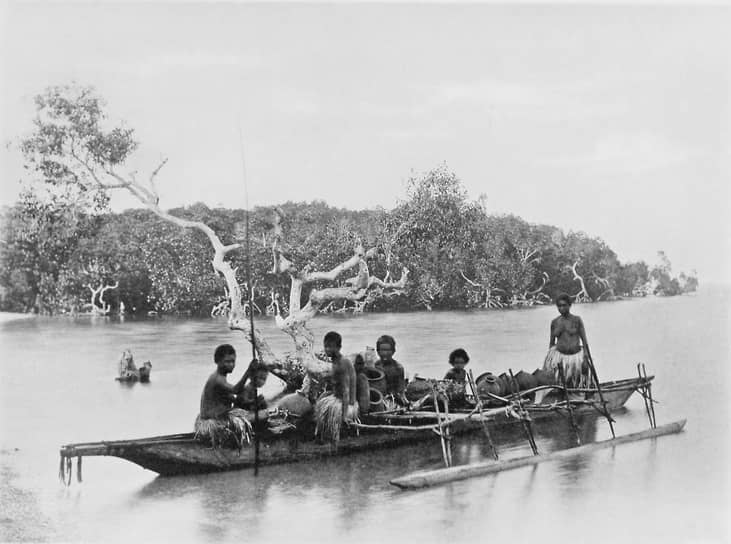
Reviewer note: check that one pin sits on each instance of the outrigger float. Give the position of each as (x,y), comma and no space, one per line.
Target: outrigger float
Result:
(181,454)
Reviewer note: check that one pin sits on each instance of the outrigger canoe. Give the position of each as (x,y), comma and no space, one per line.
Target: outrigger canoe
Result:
(180,454)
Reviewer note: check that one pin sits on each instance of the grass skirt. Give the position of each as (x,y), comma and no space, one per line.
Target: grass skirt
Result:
(231,430)
(329,417)
(575,368)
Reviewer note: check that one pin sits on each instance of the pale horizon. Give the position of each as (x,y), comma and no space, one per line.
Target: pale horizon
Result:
(612,120)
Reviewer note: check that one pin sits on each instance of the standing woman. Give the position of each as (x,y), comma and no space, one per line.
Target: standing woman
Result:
(568,345)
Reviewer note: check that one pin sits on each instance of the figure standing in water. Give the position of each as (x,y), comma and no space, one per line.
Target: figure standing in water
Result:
(567,345)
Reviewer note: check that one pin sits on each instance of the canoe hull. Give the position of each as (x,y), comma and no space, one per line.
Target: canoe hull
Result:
(179,454)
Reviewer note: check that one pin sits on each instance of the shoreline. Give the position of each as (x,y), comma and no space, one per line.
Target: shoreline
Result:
(6,317)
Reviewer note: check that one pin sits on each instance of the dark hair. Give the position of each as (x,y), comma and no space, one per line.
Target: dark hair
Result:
(358,360)
(563,297)
(333,338)
(222,351)
(386,339)
(259,366)
(459,352)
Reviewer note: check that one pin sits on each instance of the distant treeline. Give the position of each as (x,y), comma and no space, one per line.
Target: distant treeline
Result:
(58,258)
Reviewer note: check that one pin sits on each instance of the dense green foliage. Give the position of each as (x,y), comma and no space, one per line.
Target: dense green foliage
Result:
(50,253)
(60,242)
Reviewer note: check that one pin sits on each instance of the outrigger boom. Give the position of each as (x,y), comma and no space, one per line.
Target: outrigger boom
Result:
(421,479)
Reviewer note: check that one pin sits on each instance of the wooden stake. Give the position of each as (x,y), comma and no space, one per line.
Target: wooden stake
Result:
(643,392)
(599,390)
(473,386)
(649,394)
(441,428)
(524,418)
(568,403)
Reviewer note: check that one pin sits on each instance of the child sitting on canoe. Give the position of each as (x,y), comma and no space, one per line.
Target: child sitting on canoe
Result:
(248,398)
(568,346)
(458,359)
(392,370)
(340,404)
(218,421)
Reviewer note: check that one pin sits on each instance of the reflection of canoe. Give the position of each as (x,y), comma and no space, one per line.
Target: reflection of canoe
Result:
(181,454)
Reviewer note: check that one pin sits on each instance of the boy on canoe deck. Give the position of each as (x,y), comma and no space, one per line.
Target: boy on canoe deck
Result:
(218,422)
(392,370)
(567,345)
(340,405)
(458,359)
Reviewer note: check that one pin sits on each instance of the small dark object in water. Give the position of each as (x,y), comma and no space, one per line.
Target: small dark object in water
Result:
(128,372)
(145,372)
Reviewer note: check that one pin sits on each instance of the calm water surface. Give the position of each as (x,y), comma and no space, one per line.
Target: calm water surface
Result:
(57,387)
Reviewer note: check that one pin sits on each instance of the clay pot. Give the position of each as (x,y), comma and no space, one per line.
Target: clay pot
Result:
(488,383)
(526,381)
(296,404)
(417,388)
(508,387)
(543,377)
(377,404)
(376,379)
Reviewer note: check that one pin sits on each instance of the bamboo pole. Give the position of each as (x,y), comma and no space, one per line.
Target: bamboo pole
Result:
(643,392)
(568,403)
(473,386)
(369,426)
(649,394)
(448,431)
(429,478)
(441,428)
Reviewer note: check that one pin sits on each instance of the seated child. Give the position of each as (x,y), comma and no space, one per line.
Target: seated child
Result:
(392,370)
(340,405)
(258,374)
(458,359)
(362,388)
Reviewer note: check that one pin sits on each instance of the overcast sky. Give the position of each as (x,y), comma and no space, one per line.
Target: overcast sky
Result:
(611,120)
